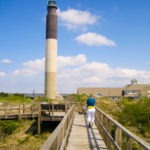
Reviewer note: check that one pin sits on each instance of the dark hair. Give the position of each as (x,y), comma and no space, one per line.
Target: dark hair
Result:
(91,95)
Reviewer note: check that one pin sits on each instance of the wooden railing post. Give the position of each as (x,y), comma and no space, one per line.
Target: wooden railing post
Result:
(32,110)
(49,110)
(128,143)
(102,120)
(65,108)
(118,136)
(23,108)
(109,131)
(52,111)
(39,120)
(19,116)
(104,123)
(62,134)
(5,111)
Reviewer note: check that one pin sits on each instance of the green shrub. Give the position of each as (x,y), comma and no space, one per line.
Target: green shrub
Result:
(2,95)
(14,98)
(76,98)
(135,113)
(41,99)
(8,127)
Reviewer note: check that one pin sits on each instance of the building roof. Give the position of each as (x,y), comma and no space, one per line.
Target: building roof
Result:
(136,86)
(101,91)
(115,92)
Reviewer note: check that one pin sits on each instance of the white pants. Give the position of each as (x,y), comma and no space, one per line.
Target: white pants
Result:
(91,115)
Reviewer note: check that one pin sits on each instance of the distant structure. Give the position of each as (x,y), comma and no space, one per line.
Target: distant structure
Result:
(132,90)
(51,50)
(134,81)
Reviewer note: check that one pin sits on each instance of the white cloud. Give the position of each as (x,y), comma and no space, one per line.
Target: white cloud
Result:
(35,64)
(2,74)
(95,67)
(94,39)
(6,61)
(97,74)
(31,67)
(91,80)
(73,72)
(34,67)
(71,61)
(74,19)
(123,72)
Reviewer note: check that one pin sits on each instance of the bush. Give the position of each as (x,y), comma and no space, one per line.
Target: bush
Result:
(8,127)
(2,94)
(76,98)
(136,113)
(14,98)
(107,105)
(41,99)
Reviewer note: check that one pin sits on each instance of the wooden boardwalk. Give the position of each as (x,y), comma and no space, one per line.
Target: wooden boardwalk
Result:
(84,138)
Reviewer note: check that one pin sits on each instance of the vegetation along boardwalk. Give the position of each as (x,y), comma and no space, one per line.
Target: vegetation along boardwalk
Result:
(84,138)
(73,133)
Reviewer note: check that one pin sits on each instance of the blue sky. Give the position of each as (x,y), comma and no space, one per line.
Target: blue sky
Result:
(102,43)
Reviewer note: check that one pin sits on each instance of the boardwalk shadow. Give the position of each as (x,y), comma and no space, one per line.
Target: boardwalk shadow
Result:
(93,140)
(45,127)
(79,125)
(32,129)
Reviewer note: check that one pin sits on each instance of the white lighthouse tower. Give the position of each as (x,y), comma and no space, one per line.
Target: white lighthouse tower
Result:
(51,50)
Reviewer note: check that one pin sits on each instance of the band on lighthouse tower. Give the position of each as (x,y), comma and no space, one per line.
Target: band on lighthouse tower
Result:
(51,50)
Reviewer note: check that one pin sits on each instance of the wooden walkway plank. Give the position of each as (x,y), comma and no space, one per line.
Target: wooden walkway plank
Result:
(84,138)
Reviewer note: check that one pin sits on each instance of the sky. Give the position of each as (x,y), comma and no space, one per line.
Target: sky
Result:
(101,43)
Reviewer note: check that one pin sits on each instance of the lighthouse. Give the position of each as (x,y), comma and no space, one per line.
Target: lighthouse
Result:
(51,50)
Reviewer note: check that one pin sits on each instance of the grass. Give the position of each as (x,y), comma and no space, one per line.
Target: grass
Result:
(22,134)
(24,137)
(14,98)
(132,114)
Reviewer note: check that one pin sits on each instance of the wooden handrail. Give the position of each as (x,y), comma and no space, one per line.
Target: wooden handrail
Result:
(107,125)
(21,110)
(58,139)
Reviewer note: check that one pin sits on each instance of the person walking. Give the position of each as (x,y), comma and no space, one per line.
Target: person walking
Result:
(90,110)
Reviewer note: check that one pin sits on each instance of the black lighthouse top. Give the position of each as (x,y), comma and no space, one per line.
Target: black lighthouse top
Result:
(52,3)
